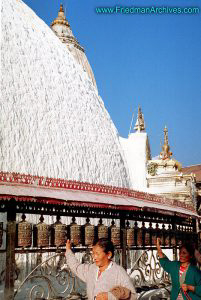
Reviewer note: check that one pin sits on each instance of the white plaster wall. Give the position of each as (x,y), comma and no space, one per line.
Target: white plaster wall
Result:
(53,122)
(135,152)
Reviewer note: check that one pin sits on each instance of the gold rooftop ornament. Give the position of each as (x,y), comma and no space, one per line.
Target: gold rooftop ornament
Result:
(140,124)
(165,153)
(61,19)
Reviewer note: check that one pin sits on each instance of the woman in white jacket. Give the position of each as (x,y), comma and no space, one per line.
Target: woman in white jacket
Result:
(105,279)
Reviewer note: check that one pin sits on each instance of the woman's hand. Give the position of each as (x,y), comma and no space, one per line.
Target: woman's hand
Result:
(187,287)
(102,296)
(158,246)
(158,242)
(68,245)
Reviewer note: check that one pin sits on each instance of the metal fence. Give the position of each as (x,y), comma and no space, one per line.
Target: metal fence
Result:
(32,246)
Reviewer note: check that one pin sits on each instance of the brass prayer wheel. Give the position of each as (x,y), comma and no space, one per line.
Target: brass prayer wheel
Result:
(167,240)
(156,233)
(173,241)
(115,234)
(89,234)
(42,233)
(139,237)
(60,233)
(75,233)
(130,237)
(147,238)
(102,231)
(1,233)
(179,236)
(153,238)
(163,240)
(179,242)
(24,233)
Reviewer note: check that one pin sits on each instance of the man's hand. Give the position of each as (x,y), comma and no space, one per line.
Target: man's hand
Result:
(68,245)
(102,296)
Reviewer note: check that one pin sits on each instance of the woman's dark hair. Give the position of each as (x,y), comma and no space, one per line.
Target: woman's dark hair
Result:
(106,245)
(191,250)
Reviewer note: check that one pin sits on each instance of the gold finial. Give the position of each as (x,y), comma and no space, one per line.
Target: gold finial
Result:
(61,19)
(61,8)
(165,153)
(140,125)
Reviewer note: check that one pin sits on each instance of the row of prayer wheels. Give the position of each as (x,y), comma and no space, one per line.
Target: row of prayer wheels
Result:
(57,234)
(45,235)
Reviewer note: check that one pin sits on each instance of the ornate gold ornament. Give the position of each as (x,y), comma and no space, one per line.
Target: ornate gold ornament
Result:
(152,169)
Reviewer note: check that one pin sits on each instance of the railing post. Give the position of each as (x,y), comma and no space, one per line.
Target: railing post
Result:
(10,251)
(175,256)
(196,228)
(123,241)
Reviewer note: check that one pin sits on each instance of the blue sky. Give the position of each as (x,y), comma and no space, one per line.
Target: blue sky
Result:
(149,60)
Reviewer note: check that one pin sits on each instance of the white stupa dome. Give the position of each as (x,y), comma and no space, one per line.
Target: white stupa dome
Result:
(53,122)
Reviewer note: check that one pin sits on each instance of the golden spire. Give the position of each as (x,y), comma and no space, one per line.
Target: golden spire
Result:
(61,19)
(61,8)
(165,148)
(139,125)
